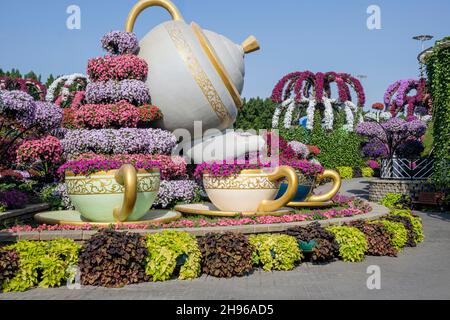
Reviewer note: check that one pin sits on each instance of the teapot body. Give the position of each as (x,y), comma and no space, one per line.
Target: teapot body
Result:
(183,82)
(195,75)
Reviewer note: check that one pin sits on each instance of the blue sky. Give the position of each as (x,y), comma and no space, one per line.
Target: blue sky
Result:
(295,35)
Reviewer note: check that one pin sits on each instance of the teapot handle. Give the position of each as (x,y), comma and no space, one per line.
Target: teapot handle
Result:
(144,4)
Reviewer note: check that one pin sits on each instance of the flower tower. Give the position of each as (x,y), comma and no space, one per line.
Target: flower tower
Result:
(115,123)
(307,90)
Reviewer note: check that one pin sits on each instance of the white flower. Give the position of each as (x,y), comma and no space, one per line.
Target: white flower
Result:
(426,118)
(310,114)
(385,115)
(277,113)
(329,116)
(348,107)
(288,115)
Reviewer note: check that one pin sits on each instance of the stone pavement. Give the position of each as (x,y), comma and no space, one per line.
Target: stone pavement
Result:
(418,273)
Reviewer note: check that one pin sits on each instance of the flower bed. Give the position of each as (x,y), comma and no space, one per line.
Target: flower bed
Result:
(121,141)
(133,91)
(345,207)
(115,259)
(117,68)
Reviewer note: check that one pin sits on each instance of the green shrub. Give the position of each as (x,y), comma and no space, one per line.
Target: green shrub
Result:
(391,200)
(42,263)
(170,249)
(256,114)
(113,259)
(367,172)
(416,222)
(275,251)
(399,234)
(226,255)
(49,196)
(346,173)
(352,243)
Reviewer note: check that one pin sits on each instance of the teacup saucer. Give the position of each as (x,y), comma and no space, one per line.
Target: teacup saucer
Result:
(74,218)
(311,204)
(208,209)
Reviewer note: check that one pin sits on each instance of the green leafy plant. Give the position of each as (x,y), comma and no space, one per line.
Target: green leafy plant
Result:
(226,255)
(416,222)
(275,251)
(438,70)
(367,172)
(398,233)
(408,226)
(113,259)
(169,250)
(49,196)
(392,200)
(378,238)
(9,265)
(352,243)
(346,173)
(256,114)
(42,263)
(326,248)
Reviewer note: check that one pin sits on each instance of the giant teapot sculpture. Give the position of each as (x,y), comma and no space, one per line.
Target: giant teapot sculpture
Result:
(195,74)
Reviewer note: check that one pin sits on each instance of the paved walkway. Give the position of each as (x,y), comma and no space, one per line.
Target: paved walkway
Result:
(418,273)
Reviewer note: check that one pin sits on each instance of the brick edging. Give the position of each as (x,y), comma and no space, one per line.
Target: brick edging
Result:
(83,235)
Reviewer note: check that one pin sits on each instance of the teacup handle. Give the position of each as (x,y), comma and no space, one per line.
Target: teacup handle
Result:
(127,177)
(144,4)
(333,175)
(292,178)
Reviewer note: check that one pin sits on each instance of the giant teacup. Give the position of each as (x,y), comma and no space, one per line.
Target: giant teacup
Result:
(114,196)
(307,184)
(251,190)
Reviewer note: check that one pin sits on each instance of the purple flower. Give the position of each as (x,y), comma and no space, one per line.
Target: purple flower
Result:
(17,105)
(13,199)
(119,42)
(121,141)
(300,149)
(133,91)
(90,166)
(48,115)
(176,191)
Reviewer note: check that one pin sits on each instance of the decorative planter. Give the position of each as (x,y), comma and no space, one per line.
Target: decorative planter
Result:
(251,190)
(307,184)
(114,196)
(207,68)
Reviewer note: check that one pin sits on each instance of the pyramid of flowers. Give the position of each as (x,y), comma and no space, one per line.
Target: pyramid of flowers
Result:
(115,125)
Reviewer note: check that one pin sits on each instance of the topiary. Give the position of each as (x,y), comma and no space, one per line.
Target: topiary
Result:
(113,259)
(352,243)
(275,251)
(416,222)
(326,249)
(169,250)
(378,238)
(367,172)
(399,234)
(226,255)
(42,263)
(346,173)
(9,265)
(408,226)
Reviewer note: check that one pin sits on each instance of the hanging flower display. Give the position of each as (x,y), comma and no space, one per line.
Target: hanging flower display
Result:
(397,98)
(68,91)
(34,88)
(307,90)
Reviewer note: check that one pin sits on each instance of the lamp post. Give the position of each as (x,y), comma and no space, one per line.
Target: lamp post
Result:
(422,38)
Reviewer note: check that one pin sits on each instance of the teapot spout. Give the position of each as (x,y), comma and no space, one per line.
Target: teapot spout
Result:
(250,45)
